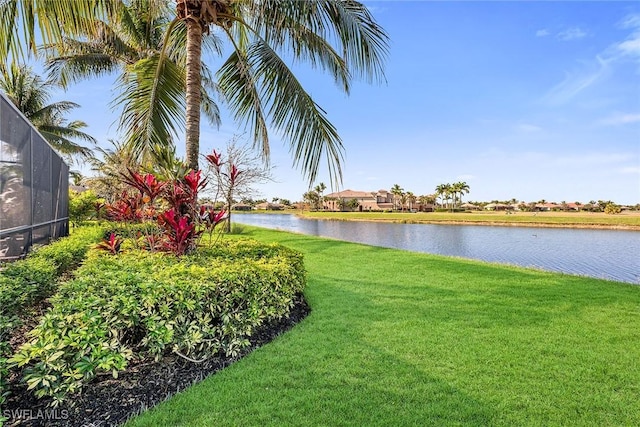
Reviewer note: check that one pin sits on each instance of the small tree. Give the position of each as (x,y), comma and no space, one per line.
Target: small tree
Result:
(82,206)
(612,209)
(234,176)
(312,198)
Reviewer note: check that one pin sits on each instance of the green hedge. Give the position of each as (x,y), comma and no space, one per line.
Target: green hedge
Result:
(140,304)
(25,282)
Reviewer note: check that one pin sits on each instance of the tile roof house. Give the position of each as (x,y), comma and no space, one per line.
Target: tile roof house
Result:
(266,206)
(367,200)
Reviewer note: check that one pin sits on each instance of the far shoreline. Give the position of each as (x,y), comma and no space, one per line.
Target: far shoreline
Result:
(578,220)
(488,223)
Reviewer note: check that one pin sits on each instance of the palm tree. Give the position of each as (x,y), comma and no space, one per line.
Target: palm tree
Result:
(30,93)
(114,163)
(411,198)
(403,201)
(460,188)
(397,192)
(320,189)
(444,192)
(134,45)
(254,81)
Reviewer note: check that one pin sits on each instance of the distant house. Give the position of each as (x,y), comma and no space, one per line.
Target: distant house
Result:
(367,201)
(241,207)
(470,207)
(266,206)
(498,207)
(546,207)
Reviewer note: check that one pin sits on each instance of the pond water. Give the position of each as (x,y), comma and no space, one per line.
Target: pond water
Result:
(605,254)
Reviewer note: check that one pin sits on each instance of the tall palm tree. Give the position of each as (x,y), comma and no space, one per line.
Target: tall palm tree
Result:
(320,190)
(30,93)
(459,189)
(403,201)
(258,85)
(443,191)
(255,82)
(134,45)
(411,198)
(397,192)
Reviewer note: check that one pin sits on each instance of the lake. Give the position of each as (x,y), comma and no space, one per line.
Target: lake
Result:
(605,254)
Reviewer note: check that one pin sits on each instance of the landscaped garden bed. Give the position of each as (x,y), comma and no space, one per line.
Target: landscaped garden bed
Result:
(132,328)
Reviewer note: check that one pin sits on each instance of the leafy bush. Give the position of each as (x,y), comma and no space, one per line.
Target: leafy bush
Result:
(83,206)
(612,209)
(143,304)
(25,282)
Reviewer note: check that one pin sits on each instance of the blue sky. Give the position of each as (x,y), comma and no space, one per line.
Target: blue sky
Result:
(524,100)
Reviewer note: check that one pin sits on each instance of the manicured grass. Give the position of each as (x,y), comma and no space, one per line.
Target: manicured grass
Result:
(400,338)
(567,219)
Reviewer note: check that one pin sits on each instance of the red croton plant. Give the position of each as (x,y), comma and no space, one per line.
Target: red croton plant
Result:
(173,205)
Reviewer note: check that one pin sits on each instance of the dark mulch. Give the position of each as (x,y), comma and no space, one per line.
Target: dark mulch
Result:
(110,402)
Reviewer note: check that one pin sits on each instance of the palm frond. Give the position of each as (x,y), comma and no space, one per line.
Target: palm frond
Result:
(237,84)
(153,104)
(74,68)
(60,138)
(365,44)
(209,106)
(264,78)
(298,28)
(22,22)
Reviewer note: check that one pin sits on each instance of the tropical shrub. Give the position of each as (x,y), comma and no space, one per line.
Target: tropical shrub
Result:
(84,206)
(26,282)
(172,205)
(142,304)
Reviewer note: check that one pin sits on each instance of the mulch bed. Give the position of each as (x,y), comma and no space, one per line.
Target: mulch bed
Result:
(111,402)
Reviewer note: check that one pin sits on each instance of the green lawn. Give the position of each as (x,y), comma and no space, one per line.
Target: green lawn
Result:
(400,338)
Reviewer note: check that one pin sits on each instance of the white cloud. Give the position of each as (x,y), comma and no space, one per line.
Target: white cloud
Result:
(630,47)
(630,21)
(576,82)
(543,32)
(620,119)
(573,33)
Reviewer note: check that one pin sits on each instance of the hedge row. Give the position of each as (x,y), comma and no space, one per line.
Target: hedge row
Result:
(140,304)
(25,282)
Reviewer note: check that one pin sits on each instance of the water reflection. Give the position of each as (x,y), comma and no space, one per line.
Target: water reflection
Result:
(608,254)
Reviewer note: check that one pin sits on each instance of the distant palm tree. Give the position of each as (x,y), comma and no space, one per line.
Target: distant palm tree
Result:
(312,198)
(397,192)
(411,198)
(320,189)
(403,201)
(459,189)
(30,93)
(445,192)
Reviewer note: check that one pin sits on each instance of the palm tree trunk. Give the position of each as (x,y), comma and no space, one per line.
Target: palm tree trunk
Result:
(193,94)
